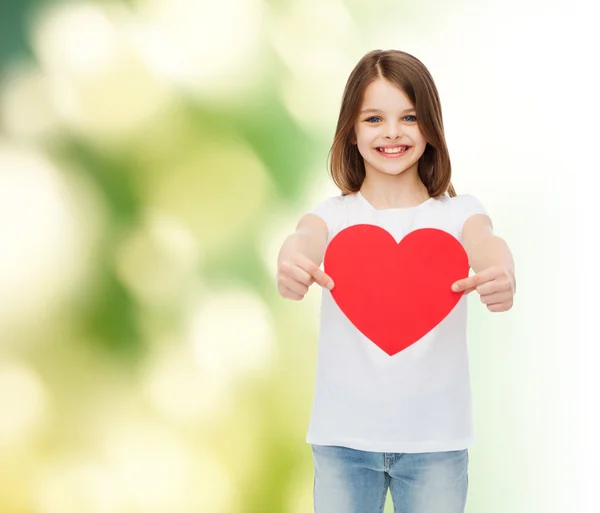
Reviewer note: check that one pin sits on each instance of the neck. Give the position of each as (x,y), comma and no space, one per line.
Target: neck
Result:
(394,191)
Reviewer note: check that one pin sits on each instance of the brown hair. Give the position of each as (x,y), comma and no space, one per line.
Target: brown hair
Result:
(409,74)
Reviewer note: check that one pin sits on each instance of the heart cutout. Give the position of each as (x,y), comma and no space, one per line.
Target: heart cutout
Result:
(395,293)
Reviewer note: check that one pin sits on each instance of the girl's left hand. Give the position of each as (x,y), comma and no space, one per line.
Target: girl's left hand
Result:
(495,285)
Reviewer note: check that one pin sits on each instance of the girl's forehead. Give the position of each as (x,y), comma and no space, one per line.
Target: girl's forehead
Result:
(382,90)
(385,89)
(386,97)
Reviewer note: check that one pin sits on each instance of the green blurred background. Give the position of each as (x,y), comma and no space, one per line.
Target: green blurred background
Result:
(153,156)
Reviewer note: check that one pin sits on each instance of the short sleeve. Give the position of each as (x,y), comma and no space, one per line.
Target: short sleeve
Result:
(468,206)
(329,211)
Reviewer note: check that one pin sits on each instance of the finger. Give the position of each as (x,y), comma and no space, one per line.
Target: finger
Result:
(497,297)
(466,284)
(500,307)
(500,284)
(318,275)
(288,294)
(294,272)
(490,287)
(489,274)
(324,280)
(295,286)
(301,276)
(478,279)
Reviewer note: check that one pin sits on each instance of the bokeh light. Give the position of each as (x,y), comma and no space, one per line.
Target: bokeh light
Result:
(23,394)
(43,252)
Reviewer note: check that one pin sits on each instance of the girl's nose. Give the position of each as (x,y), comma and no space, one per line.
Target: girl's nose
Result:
(392,131)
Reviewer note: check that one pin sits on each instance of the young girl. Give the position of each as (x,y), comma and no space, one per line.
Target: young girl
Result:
(400,420)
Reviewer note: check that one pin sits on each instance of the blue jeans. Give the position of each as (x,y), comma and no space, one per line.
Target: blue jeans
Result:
(353,481)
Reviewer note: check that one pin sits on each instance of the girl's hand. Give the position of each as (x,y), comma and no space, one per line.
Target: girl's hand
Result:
(495,285)
(294,276)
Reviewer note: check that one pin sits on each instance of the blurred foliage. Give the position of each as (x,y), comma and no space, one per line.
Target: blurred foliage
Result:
(158,218)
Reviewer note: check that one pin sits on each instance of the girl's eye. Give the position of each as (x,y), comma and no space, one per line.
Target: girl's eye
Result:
(409,118)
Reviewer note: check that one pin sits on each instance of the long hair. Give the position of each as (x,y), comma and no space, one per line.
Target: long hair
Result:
(347,166)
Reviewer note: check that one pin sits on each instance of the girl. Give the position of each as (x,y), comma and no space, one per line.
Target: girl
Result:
(400,420)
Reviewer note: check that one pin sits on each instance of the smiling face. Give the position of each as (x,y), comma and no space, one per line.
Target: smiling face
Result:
(387,131)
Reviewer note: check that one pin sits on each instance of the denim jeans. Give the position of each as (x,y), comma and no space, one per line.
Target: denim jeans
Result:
(353,481)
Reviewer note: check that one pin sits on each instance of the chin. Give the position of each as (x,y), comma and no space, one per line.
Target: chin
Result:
(393,172)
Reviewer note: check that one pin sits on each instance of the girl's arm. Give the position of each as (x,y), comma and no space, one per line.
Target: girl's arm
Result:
(492,261)
(309,239)
(300,257)
(485,249)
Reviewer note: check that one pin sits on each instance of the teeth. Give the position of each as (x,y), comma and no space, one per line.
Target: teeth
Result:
(393,150)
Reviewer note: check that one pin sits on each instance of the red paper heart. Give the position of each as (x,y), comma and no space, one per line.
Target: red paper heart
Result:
(395,293)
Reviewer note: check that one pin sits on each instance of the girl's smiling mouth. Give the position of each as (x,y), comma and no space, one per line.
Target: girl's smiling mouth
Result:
(392,151)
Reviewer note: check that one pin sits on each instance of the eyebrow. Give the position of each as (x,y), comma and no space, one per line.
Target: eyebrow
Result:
(378,110)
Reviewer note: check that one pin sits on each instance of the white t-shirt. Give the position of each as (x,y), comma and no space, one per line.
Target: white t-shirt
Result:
(417,400)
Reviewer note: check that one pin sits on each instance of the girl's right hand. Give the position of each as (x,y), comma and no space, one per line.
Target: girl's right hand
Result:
(295,275)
